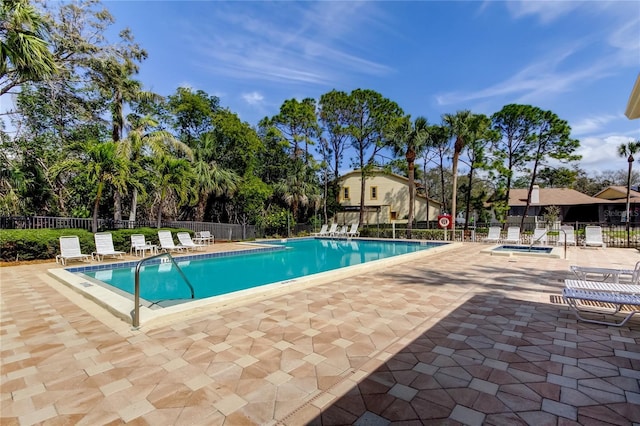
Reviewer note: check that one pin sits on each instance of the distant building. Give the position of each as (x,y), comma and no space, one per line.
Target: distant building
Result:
(607,206)
(386,199)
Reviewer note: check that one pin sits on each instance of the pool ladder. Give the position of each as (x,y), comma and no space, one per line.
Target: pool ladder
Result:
(136,296)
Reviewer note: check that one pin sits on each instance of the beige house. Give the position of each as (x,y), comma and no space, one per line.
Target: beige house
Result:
(386,199)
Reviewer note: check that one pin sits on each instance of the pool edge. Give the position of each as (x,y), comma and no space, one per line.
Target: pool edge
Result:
(122,307)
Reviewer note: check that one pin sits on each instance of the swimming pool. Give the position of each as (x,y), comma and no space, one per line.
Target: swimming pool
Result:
(120,303)
(221,275)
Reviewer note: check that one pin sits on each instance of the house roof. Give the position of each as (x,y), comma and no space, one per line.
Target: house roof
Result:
(615,192)
(391,175)
(553,197)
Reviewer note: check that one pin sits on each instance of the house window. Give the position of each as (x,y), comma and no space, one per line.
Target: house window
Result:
(345,193)
(394,215)
(374,192)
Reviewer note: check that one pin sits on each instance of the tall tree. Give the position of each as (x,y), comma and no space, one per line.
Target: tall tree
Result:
(297,123)
(409,140)
(549,138)
(438,139)
(370,119)
(24,46)
(480,136)
(334,118)
(627,150)
(191,114)
(458,127)
(113,74)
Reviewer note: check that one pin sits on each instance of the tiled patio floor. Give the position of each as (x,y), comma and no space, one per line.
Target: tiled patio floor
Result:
(461,338)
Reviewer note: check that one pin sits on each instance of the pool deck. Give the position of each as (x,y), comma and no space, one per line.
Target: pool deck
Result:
(459,338)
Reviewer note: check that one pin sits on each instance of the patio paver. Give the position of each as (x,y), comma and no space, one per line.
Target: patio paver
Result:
(461,337)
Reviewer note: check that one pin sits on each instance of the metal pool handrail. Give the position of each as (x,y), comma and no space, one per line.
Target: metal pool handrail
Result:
(136,297)
(545,233)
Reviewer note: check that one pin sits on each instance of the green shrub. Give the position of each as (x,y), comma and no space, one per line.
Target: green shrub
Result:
(38,244)
(43,244)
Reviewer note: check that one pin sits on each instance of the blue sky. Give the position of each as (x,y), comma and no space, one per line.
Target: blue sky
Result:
(577,59)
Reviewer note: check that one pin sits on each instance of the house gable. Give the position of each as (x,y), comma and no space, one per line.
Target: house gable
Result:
(616,193)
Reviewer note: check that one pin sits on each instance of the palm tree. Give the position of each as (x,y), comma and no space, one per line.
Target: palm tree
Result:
(625,150)
(102,164)
(138,146)
(408,140)
(457,126)
(175,177)
(24,53)
(211,178)
(296,190)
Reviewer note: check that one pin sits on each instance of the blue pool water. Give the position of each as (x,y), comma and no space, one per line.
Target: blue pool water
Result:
(222,275)
(524,249)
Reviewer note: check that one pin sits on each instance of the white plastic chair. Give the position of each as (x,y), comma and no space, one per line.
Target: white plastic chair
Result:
(342,232)
(353,231)
(567,232)
(70,250)
(203,237)
(493,236)
(166,242)
(513,235)
(593,237)
(140,245)
(323,231)
(104,246)
(539,236)
(333,229)
(186,241)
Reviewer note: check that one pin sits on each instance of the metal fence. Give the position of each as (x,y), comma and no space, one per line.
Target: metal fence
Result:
(221,231)
(614,235)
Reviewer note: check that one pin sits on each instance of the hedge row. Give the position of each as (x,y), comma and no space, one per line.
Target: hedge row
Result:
(43,244)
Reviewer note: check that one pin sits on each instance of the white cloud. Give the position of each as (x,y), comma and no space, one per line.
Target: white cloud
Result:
(538,80)
(592,124)
(253,98)
(546,11)
(600,153)
(291,43)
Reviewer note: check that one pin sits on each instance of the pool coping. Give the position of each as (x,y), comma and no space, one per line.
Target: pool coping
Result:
(122,307)
(556,252)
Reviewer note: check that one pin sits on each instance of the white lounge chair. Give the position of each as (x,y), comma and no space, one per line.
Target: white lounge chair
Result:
(576,297)
(584,273)
(513,235)
(567,233)
(323,231)
(332,230)
(166,242)
(140,245)
(104,246)
(70,250)
(593,237)
(203,237)
(493,236)
(341,232)
(186,241)
(539,236)
(353,231)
